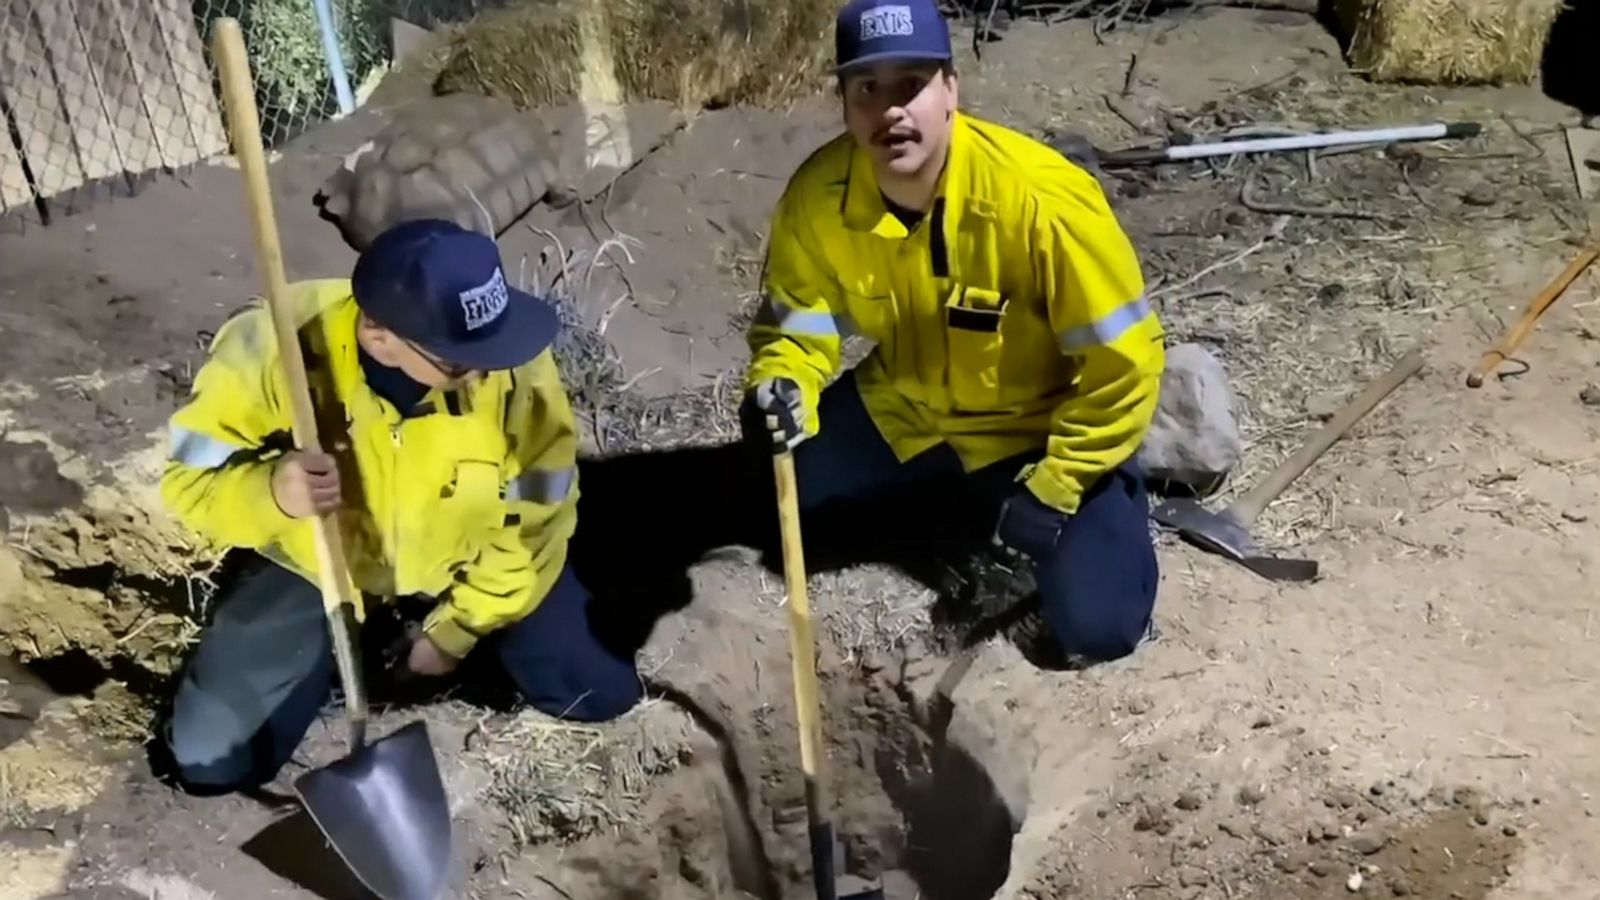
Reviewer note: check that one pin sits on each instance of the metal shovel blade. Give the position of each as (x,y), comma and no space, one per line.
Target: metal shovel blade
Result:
(1219,532)
(383,808)
(1223,533)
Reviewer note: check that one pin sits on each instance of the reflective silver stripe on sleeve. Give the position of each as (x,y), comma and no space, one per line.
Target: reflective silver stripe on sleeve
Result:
(793,321)
(1107,329)
(202,451)
(541,486)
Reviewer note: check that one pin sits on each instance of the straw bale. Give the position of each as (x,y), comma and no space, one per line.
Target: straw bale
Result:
(1448,41)
(693,53)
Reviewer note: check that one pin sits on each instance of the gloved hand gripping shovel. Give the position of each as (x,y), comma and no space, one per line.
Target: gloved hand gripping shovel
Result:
(383,806)
(825,853)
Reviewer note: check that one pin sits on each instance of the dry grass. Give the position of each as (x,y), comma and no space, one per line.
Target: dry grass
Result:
(560,781)
(693,53)
(1448,41)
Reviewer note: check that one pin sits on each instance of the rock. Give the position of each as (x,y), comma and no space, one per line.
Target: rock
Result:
(1287,862)
(1481,818)
(1353,883)
(1138,706)
(1479,195)
(1590,396)
(1366,843)
(1189,876)
(1264,719)
(1270,834)
(1321,868)
(1346,798)
(1152,818)
(1377,789)
(1509,831)
(1331,293)
(1400,887)
(1194,439)
(1232,829)
(1190,800)
(1251,794)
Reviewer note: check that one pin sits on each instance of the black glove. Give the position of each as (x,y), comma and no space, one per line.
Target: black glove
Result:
(1028,527)
(782,408)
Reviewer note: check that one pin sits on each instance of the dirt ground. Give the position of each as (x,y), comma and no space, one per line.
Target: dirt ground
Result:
(1347,736)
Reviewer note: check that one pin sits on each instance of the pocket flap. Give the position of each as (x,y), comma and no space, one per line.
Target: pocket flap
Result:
(475,482)
(975,309)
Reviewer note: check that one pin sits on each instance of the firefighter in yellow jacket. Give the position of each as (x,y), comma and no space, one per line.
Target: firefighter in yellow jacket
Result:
(453,473)
(1014,346)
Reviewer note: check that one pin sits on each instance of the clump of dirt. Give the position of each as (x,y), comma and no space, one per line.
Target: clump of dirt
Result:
(31,481)
(1450,852)
(1306,836)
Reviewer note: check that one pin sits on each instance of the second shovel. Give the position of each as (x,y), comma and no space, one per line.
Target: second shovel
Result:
(1228,532)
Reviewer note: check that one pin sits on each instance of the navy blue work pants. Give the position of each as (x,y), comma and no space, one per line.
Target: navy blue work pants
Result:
(265,668)
(1098,584)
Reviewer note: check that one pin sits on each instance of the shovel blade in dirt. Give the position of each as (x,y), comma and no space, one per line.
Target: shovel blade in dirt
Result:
(1223,533)
(384,810)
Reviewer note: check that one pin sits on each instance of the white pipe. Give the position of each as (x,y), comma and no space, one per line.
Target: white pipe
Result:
(1329,139)
(330,48)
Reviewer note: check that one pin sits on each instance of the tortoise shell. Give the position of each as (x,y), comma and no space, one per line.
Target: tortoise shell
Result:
(473,160)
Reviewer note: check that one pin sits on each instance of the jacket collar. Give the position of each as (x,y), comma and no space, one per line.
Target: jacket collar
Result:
(864,209)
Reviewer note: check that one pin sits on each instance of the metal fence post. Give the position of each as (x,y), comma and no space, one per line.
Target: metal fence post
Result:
(330,47)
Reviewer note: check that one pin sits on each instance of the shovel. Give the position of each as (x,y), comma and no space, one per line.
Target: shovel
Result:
(1228,532)
(825,851)
(383,806)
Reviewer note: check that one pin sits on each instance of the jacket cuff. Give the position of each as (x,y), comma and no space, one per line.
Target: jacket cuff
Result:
(1062,495)
(447,632)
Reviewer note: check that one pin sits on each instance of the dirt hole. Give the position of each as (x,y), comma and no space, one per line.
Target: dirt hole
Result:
(920,813)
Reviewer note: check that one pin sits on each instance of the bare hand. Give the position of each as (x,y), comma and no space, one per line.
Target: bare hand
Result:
(427,659)
(306,484)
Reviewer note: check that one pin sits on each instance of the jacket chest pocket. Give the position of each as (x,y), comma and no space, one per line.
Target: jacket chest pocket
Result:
(974,317)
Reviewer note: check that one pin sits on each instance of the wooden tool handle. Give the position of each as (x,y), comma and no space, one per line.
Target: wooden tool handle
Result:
(1519,330)
(1249,506)
(338,594)
(807,690)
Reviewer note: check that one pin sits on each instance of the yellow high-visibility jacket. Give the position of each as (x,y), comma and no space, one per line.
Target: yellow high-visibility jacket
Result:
(473,502)
(1011,318)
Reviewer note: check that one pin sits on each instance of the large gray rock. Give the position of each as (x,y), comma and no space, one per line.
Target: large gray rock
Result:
(1194,440)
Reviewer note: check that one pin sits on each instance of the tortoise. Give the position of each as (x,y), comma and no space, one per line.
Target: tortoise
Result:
(470,159)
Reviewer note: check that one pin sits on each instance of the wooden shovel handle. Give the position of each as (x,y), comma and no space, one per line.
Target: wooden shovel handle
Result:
(1249,506)
(1519,330)
(807,690)
(244,125)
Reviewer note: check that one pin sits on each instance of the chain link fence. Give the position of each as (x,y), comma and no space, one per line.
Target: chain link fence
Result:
(97,97)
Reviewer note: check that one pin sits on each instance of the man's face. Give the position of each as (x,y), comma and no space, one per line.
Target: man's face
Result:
(389,349)
(900,112)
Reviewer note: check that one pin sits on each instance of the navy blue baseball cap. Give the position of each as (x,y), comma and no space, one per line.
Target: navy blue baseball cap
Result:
(441,287)
(871,31)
